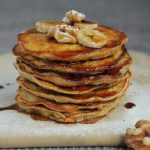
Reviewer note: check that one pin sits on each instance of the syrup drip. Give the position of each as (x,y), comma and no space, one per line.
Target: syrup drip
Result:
(1,87)
(39,118)
(11,107)
(129,105)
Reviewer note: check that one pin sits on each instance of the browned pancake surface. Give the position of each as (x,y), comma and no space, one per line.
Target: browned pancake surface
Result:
(100,95)
(111,64)
(38,44)
(68,80)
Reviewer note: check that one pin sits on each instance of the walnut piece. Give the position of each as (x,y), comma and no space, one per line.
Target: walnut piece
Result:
(73,16)
(139,138)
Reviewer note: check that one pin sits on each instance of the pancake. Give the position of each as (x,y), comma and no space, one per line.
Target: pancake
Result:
(71,117)
(101,95)
(32,100)
(67,90)
(37,44)
(90,121)
(111,64)
(68,80)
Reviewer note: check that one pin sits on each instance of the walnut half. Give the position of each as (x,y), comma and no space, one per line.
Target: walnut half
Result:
(139,138)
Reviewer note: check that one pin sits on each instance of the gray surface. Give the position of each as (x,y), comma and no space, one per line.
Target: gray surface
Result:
(129,16)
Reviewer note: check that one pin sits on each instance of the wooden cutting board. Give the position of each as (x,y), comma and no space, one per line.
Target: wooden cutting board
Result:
(19,130)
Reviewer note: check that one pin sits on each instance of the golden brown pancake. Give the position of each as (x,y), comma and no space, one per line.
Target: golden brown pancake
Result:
(112,64)
(100,95)
(37,44)
(32,100)
(67,117)
(68,80)
(66,90)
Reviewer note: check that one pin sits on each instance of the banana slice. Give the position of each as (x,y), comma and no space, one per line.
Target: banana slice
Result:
(65,34)
(85,25)
(66,19)
(51,31)
(91,38)
(45,26)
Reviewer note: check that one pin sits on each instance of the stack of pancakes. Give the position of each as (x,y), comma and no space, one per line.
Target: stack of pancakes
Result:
(71,83)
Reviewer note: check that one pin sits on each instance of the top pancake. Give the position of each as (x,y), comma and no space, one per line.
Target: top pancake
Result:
(37,44)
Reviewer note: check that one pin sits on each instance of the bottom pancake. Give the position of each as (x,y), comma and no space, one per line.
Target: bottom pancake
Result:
(74,117)
(65,113)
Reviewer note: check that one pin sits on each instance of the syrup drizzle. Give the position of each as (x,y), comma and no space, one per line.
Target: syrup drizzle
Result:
(129,105)
(11,107)
(1,87)
(37,117)
(15,107)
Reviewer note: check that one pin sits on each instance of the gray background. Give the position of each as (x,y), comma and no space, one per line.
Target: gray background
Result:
(129,16)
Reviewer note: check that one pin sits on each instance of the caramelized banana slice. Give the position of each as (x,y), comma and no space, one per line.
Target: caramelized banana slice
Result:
(46,26)
(91,38)
(86,25)
(65,34)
